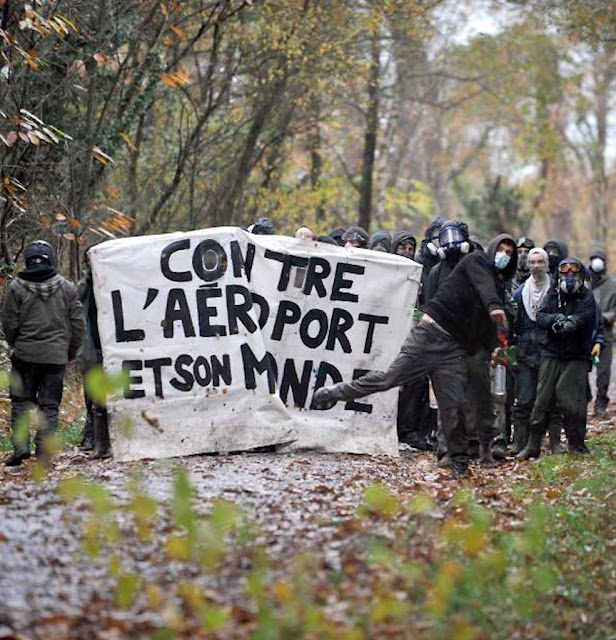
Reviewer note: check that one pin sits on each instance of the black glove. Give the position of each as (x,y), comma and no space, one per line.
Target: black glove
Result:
(559,318)
(568,326)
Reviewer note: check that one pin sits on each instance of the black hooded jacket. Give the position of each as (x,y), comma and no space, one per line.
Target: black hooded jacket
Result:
(439,273)
(427,259)
(603,287)
(474,288)
(564,253)
(581,307)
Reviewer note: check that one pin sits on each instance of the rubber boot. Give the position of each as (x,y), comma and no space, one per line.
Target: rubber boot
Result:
(87,437)
(520,438)
(556,447)
(485,456)
(101,438)
(532,448)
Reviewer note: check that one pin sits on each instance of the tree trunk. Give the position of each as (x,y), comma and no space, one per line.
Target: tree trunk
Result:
(370,136)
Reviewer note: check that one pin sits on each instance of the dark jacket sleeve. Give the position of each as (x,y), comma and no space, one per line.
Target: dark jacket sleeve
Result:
(77,323)
(546,316)
(10,316)
(609,308)
(432,283)
(599,337)
(482,278)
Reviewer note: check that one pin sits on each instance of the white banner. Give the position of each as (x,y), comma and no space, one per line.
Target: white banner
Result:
(226,335)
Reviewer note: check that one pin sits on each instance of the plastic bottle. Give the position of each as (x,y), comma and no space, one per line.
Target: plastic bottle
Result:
(500,380)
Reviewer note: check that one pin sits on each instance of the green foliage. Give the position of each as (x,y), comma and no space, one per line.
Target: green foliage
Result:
(100,385)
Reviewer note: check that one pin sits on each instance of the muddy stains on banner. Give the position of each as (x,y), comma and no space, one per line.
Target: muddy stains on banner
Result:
(225,336)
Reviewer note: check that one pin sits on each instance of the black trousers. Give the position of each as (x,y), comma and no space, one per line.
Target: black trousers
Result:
(34,385)
(562,387)
(415,422)
(427,350)
(604,372)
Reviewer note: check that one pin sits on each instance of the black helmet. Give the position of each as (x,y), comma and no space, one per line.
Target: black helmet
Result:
(525,243)
(39,251)
(263,227)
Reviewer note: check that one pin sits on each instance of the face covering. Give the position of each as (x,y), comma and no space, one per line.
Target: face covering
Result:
(597,265)
(570,284)
(501,260)
(538,274)
(554,261)
(523,263)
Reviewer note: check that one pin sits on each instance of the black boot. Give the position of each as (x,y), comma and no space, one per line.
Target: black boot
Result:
(554,435)
(520,438)
(101,438)
(532,448)
(460,469)
(16,459)
(486,457)
(87,437)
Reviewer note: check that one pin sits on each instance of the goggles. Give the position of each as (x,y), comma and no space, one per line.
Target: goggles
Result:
(570,267)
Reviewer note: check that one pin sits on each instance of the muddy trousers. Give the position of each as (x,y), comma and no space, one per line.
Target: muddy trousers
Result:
(34,385)
(427,350)
(525,395)
(562,387)
(604,371)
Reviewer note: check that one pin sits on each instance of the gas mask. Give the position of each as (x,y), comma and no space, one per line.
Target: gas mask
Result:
(570,284)
(452,241)
(570,277)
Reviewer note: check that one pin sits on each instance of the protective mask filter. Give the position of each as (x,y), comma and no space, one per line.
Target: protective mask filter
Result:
(597,265)
(501,260)
(570,284)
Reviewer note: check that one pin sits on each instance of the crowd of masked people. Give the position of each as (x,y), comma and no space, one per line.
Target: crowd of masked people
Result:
(544,316)
(474,303)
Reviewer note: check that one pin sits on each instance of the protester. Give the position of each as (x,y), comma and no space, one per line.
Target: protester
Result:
(380,241)
(263,227)
(603,287)
(327,240)
(521,275)
(43,324)
(404,244)
(460,319)
(557,251)
(428,256)
(530,339)
(90,356)
(568,314)
(337,235)
(355,237)
(305,233)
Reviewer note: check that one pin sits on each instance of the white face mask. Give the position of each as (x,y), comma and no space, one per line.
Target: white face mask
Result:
(501,260)
(597,265)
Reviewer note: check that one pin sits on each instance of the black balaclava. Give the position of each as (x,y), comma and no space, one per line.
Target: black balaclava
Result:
(563,253)
(40,259)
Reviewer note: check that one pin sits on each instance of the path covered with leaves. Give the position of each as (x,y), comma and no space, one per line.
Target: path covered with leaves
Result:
(310,545)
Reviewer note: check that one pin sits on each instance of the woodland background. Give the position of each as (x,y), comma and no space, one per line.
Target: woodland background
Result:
(122,117)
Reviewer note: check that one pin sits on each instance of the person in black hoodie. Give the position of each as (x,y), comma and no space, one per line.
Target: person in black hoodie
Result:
(462,317)
(557,251)
(428,256)
(43,323)
(569,315)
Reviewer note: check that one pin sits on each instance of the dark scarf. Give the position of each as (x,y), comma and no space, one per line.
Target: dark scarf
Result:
(37,273)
